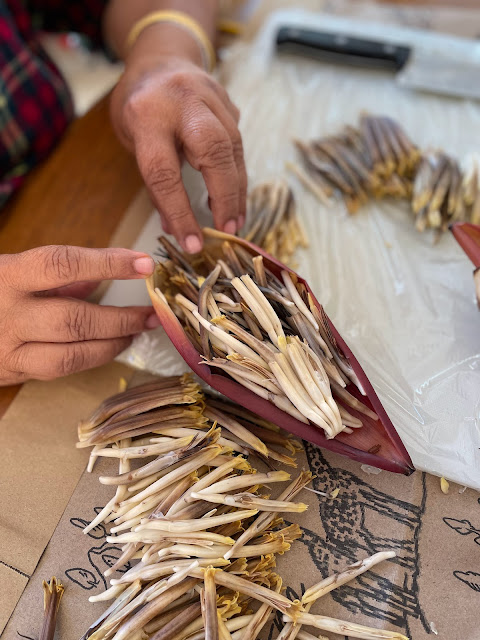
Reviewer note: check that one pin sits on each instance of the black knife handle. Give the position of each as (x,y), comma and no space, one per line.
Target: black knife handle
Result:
(342,49)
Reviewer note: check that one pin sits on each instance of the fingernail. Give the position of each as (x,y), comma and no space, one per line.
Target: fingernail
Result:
(241,222)
(193,244)
(230,227)
(152,322)
(144,266)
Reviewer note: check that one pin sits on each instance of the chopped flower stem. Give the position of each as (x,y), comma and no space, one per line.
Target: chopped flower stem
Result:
(223,632)
(349,629)
(191,514)
(240,482)
(256,591)
(153,608)
(292,290)
(52,595)
(351,572)
(207,480)
(209,602)
(248,499)
(208,454)
(228,339)
(188,526)
(178,623)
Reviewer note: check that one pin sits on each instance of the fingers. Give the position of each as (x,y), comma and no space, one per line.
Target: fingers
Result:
(78,290)
(228,116)
(65,320)
(165,225)
(46,361)
(223,97)
(56,266)
(182,112)
(160,168)
(209,149)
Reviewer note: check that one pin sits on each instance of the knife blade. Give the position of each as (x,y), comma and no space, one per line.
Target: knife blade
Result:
(414,68)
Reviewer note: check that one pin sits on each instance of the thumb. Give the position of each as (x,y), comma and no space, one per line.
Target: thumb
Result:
(52,267)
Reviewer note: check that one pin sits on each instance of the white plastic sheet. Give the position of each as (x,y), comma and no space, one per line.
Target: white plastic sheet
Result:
(405,306)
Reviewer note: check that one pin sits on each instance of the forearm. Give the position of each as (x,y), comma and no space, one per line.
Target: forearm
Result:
(161,38)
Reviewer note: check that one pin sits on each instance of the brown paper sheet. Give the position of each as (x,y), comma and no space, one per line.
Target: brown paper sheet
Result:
(433,584)
(41,467)
(12,584)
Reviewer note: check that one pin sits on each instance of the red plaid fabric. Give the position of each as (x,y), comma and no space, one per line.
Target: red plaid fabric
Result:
(35,103)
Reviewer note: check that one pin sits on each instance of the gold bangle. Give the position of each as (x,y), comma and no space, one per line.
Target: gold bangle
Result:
(182,20)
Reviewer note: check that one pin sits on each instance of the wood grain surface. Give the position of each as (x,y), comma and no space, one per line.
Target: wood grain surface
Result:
(78,195)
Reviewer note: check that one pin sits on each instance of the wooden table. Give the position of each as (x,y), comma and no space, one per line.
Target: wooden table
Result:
(77,196)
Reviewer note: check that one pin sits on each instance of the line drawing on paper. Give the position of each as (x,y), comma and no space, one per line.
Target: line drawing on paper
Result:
(362,521)
(83,577)
(463,527)
(100,558)
(466,528)
(359,522)
(469,578)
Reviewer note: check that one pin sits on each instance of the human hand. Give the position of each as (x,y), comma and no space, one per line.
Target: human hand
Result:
(166,109)
(47,333)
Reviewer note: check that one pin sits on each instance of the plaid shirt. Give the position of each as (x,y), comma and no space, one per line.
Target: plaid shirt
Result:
(35,102)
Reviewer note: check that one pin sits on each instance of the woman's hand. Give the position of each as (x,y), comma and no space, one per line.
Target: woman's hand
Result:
(45,331)
(166,108)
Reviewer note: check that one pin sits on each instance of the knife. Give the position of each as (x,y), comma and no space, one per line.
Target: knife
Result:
(414,68)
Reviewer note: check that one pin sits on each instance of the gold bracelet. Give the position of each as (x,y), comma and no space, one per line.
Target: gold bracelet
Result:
(182,20)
